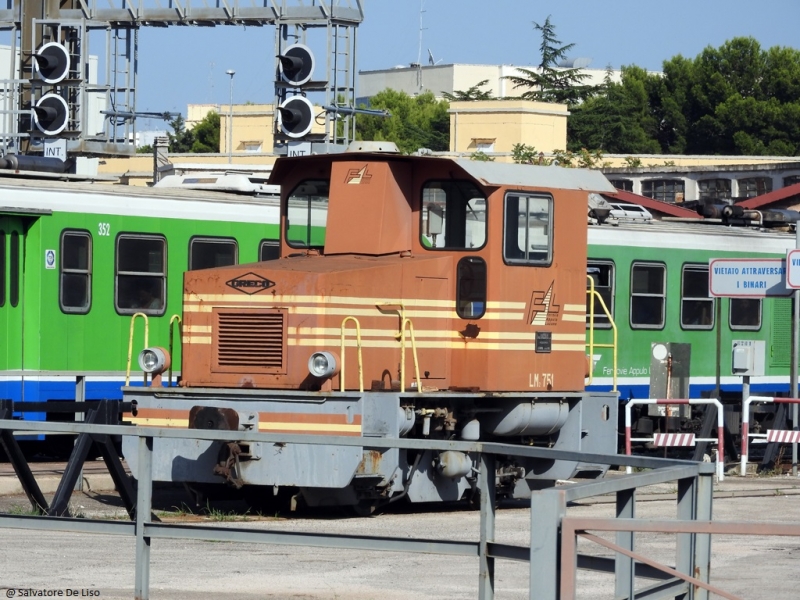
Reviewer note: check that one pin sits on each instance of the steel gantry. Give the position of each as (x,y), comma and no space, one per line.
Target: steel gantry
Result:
(32,23)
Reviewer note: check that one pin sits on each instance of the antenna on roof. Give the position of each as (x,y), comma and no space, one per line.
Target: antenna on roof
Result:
(431,60)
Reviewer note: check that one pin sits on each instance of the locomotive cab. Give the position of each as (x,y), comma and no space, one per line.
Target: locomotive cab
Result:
(414,296)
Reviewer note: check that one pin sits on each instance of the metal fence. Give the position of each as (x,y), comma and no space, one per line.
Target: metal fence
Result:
(551,555)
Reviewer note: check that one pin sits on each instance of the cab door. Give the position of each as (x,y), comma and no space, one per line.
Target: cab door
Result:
(11,306)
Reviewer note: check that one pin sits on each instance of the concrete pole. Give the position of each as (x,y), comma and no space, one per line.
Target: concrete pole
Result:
(231,73)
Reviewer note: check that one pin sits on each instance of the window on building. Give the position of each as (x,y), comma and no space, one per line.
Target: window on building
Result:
(754,186)
(453,216)
(528,223)
(471,288)
(269,250)
(205,253)
(307,214)
(745,314)
(625,185)
(141,274)
(791,180)
(602,274)
(668,190)
(714,188)
(13,272)
(75,277)
(648,295)
(697,309)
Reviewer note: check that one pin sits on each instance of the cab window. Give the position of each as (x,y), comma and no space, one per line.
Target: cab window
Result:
(307,214)
(527,228)
(471,288)
(453,216)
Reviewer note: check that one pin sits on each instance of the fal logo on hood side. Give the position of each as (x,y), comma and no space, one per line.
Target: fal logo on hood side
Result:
(250,283)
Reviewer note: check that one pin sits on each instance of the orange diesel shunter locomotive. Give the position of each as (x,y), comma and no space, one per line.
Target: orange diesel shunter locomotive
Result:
(414,297)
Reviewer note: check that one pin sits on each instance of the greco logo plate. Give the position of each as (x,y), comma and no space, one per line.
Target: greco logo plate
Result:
(250,283)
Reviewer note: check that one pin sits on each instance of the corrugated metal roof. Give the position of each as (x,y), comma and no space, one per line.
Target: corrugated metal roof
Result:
(666,208)
(769,198)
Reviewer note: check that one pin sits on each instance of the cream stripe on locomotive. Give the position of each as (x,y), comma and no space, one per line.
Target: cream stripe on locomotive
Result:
(352,300)
(362,312)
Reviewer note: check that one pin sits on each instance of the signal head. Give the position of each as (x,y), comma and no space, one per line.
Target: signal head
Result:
(296,64)
(50,114)
(51,62)
(295,116)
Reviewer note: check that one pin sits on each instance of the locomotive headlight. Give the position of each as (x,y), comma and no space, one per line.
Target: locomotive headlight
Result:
(323,365)
(154,360)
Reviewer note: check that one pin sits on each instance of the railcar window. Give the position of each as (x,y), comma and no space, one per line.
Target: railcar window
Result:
(791,180)
(528,223)
(13,291)
(471,288)
(205,253)
(602,273)
(697,309)
(75,281)
(2,268)
(307,214)
(453,216)
(269,250)
(141,279)
(745,313)
(648,297)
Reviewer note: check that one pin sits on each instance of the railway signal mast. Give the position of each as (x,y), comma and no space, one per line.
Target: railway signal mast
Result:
(57,93)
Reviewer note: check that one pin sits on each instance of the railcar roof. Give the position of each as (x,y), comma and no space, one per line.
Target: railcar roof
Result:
(703,235)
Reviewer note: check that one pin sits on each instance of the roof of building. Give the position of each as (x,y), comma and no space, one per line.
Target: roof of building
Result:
(666,208)
(771,197)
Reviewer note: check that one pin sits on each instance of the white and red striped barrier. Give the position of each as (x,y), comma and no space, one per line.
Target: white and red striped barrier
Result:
(783,436)
(679,439)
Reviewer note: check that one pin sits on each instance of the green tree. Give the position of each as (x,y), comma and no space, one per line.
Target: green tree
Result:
(146,149)
(473,93)
(206,134)
(415,122)
(551,83)
(181,139)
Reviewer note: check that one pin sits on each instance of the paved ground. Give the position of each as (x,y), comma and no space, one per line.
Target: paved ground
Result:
(103,566)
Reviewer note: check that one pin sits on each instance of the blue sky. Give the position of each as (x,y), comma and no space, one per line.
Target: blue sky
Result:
(181,65)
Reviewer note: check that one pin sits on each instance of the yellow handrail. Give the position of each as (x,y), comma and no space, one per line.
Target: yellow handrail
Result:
(592,294)
(407,321)
(130,345)
(360,363)
(172,320)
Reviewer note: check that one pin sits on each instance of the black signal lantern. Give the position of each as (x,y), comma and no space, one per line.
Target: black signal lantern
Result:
(295,116)
(51,62)
(50,114)
(296,64)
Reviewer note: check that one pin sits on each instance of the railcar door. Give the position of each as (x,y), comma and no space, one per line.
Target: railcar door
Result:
(12,246)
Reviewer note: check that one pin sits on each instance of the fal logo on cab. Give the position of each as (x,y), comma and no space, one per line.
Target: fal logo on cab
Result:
(250,283)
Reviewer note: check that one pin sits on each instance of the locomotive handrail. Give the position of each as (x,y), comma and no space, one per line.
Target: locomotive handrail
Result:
(407,321)
(592,293)
(130,344)
(172,320)
(360,362)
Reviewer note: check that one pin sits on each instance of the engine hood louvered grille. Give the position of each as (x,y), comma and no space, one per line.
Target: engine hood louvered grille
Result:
(250,341)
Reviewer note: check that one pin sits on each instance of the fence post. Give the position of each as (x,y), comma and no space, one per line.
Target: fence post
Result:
(548,507)
(624,565)
(486,485)
(687,506)
(144,499)
(702,541)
